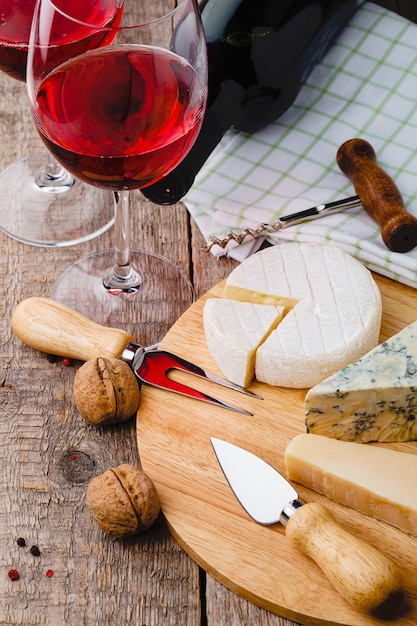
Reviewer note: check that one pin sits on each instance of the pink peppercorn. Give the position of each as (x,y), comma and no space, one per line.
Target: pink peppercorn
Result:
(49,573)
(13,574)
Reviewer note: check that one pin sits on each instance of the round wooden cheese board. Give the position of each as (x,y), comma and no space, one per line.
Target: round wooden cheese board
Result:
(257,562)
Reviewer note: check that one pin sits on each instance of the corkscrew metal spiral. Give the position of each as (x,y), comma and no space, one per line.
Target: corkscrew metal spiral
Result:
(283,222)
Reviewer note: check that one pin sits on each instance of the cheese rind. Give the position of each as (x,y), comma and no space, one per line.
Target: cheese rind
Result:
(334,311)
(233,292)
(373,399)
(379,482)
(233,333)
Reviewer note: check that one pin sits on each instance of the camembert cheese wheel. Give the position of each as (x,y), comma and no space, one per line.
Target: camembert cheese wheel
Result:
(234,330)
(332,311)
(376,481)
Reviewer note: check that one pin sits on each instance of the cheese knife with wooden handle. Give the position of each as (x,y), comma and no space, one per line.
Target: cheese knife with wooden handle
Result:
(362,575)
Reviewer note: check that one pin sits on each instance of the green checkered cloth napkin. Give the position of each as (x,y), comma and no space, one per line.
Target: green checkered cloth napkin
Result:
(365,86)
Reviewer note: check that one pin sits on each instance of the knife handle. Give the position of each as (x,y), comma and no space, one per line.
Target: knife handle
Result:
(379,195)
(362,575)
(54,328)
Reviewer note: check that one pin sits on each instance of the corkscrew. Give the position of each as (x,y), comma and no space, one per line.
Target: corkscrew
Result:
(377,194)
(283,222)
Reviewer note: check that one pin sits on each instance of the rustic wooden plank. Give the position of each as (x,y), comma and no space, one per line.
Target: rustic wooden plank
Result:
(240,612)
(48,456)
(47,453)
(148,579)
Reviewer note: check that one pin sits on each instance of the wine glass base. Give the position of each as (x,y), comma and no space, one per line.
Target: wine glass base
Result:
(46,216)
(147,313)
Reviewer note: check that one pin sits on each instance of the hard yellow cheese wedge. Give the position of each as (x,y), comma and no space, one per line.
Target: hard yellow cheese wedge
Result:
(376,481)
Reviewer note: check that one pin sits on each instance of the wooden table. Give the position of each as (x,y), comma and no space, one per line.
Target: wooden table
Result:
(148,580)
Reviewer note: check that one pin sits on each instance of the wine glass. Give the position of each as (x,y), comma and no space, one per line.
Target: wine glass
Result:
(120,118)
(42,203)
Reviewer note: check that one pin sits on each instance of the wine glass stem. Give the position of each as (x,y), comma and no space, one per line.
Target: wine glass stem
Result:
(53,177)
(122,278)
(121,229)
(53,169)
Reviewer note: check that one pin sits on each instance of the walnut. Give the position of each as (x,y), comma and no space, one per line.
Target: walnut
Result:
(123,501)
(106,391)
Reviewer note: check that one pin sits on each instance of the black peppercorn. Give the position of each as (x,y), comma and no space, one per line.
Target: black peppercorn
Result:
(35,551)
(21,542)
(52,358)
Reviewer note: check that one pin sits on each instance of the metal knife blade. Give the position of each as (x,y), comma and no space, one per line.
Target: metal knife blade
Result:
(362,575)
(260,489)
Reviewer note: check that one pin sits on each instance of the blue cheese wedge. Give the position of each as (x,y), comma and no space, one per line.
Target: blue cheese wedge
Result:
(374,399)
(332,310)
(376,481)
(233,331)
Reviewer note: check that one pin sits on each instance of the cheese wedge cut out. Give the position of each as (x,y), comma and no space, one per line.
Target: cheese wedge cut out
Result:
(373,399)
(332,310)
(234,330)
(377,481)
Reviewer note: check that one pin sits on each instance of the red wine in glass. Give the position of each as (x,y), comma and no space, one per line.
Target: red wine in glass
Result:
(120,117)
(37,193)
(123,117)
(15,21)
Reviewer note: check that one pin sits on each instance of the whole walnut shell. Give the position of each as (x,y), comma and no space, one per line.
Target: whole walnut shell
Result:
(106,391)
(123,501)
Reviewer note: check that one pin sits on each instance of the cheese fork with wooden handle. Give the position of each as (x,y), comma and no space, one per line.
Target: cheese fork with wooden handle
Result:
(51,327)
(362,575)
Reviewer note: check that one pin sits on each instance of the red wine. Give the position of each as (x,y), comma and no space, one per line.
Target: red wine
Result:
(93,25)
(123,117)
(15,24)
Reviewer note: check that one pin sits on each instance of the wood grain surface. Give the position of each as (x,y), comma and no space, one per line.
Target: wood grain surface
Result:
(202,513)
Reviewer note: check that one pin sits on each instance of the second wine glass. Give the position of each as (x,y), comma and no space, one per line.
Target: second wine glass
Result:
(41,203)
(121,117)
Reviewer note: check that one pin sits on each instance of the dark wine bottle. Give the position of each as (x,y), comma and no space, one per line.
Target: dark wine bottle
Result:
(260,53)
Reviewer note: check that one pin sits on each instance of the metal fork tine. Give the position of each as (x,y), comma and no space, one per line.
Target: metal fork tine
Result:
(191,368)
(152,369)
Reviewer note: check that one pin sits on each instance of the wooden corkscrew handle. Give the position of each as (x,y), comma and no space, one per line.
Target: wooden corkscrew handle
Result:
(379,195)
